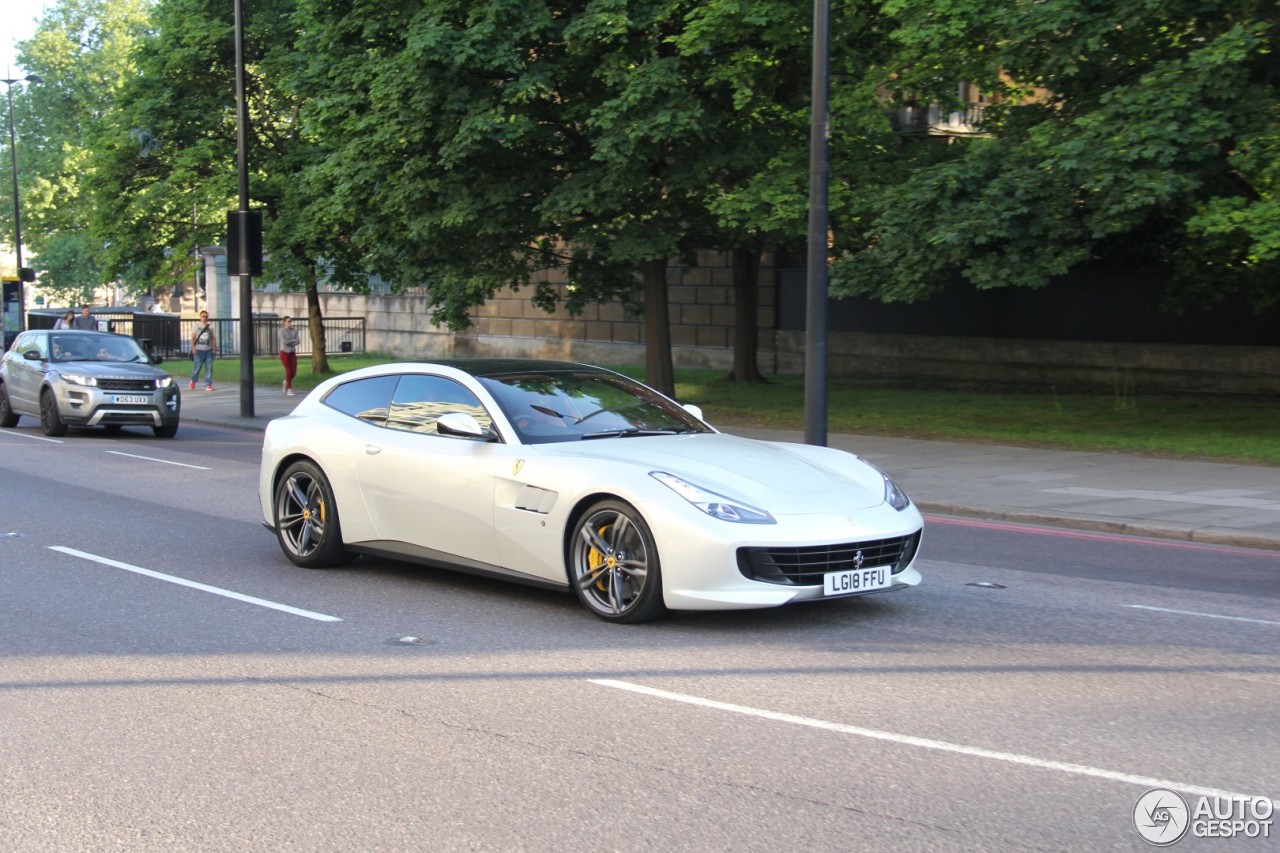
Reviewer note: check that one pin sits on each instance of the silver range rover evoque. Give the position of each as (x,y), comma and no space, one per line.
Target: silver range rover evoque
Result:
(73,378)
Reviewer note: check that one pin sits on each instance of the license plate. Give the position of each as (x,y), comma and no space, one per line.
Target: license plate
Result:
(130,398)
(855,581)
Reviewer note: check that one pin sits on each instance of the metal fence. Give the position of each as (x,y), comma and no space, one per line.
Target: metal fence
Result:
(341,334)
(170,335)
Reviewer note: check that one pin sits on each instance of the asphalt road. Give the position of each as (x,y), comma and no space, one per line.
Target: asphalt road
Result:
(170,682)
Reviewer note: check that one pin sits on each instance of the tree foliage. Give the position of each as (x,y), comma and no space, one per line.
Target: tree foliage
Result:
(168,166)
(466,147)
(1140,132)
(482,142)
(82,51)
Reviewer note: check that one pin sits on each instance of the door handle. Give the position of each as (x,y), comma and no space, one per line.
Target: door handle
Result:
(372,449)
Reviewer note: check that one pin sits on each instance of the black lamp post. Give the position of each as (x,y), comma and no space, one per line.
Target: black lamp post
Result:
(815,347)
(23,275)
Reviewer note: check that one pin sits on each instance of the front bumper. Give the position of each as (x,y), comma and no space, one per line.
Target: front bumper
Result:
(80,405)
(699,559)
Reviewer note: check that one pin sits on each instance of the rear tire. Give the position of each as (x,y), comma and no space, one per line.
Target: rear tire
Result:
(50,420)
(8,417)
(306,518)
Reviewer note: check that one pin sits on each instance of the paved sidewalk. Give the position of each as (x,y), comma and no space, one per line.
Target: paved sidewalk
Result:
(1209,502)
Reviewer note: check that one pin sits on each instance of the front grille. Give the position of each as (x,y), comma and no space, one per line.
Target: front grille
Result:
(127,417)
(114,384)
(805,566)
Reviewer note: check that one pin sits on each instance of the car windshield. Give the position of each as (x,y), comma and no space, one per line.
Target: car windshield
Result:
(548,407)
(96,348)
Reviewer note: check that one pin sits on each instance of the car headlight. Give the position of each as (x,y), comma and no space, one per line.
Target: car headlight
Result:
(893,495)
(164,382)
(714,505)
(79,379)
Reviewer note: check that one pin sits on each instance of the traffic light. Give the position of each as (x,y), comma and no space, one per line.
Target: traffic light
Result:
(247,259)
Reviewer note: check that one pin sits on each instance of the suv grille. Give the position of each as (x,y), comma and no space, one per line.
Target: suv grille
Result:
(112,384)
(805,566)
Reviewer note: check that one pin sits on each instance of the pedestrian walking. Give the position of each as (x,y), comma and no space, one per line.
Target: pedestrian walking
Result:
(288,353)
(204,343)
(66,321)
(85,321)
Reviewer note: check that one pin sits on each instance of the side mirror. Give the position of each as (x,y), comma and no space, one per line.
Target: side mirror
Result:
(696,411)
(33,355)
(155,358)
(462,425)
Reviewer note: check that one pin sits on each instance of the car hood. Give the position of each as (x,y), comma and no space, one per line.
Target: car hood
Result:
(779,477)
(101,369)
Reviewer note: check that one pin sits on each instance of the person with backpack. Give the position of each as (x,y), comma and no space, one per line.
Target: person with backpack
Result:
(203,346)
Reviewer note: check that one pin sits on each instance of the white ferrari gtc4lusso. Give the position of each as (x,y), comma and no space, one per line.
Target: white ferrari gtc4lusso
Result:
(575,477)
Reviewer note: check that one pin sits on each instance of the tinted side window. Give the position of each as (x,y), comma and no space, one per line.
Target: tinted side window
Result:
(366,399)
(420,400)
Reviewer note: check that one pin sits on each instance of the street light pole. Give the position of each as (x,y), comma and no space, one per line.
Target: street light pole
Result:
(815,347)
(17,208)
(243,266)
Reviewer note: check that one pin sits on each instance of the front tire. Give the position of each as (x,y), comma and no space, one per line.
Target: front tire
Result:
(613,564)
(306,518)
(50,420)
(8,417)
(166,430)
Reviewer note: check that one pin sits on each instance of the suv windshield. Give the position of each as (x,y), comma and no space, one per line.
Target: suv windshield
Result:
(96,348)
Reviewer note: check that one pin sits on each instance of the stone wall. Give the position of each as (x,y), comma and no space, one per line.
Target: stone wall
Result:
(701,315)
(1061,365)
(700,309)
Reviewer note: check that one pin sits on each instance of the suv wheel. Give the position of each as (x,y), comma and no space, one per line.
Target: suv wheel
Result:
(50,420)
(8,417)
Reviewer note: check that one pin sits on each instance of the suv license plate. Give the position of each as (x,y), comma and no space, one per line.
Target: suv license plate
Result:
(130,398)
(855,581)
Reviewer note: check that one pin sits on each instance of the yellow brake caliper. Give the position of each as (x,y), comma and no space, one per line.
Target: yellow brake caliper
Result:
(595,560)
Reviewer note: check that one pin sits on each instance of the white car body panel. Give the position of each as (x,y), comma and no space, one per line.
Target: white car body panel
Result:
(507,506)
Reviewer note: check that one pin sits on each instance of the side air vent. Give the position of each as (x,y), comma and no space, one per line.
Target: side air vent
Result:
(537,500)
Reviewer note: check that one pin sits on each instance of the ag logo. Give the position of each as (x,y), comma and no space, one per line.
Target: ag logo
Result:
(1161,817)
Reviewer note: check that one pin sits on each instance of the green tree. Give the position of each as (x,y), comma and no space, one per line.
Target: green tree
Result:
(170,149)
(81,51)
(68,268)
(445,128)
(481,142)
(437,139)
(165,157)
(1143,130)
(759,66)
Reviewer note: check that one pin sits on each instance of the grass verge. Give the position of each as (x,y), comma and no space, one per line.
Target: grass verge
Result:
(1219,428)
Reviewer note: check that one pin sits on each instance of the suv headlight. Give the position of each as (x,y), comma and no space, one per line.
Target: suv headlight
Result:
(79,379)
(164,382)
(714,505)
